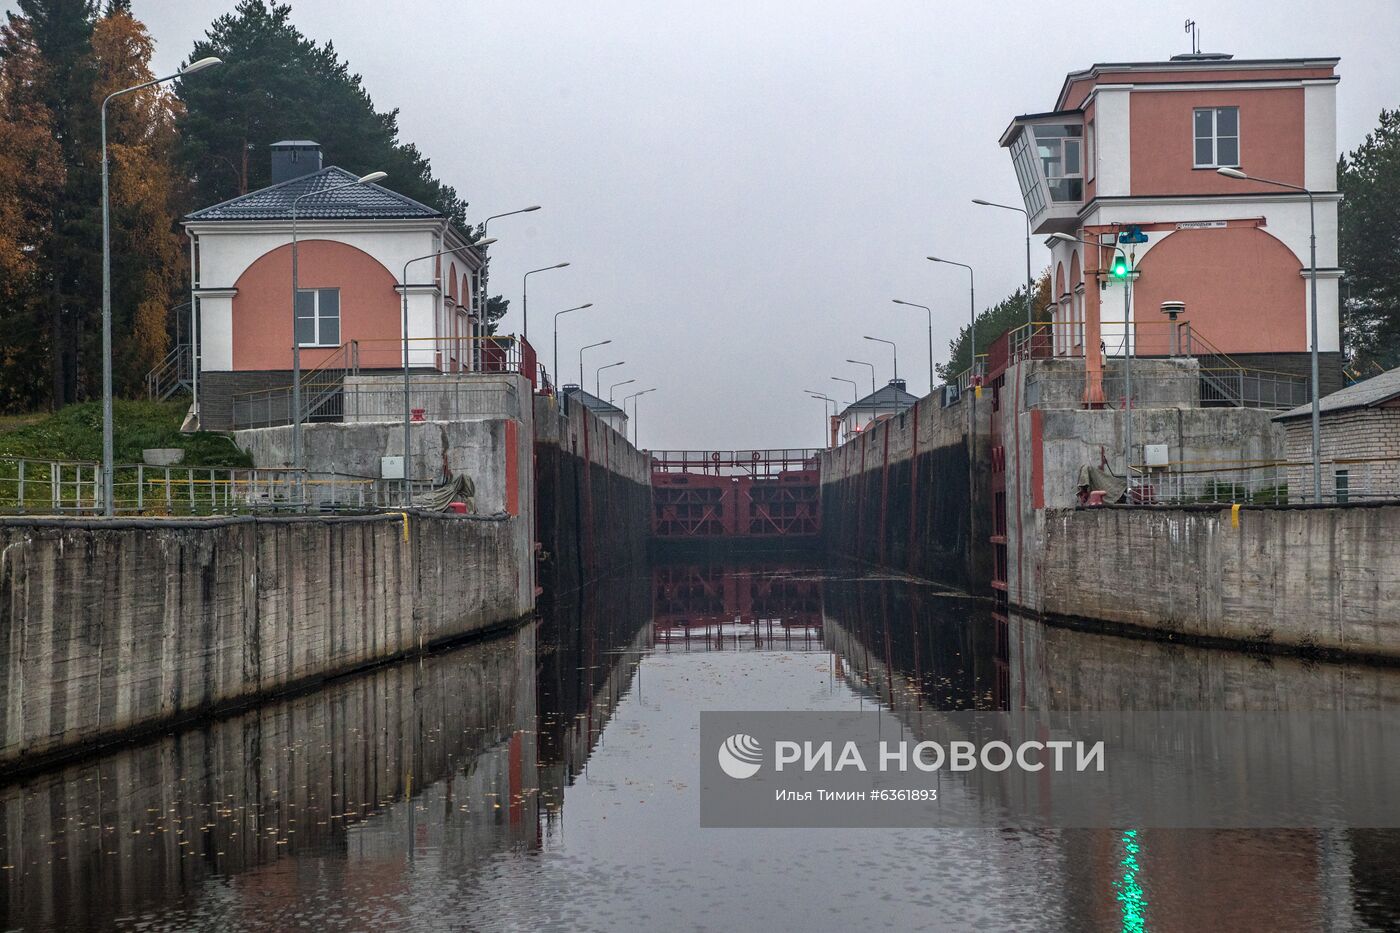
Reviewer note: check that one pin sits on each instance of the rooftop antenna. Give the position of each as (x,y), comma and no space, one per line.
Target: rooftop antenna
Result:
(1195,32)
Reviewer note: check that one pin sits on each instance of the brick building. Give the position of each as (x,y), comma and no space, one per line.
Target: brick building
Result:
(1360,428)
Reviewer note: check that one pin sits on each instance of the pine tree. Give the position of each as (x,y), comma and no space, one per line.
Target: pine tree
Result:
(68,297)
(277,84)
(1006,314)
(31,175)
(1369,243)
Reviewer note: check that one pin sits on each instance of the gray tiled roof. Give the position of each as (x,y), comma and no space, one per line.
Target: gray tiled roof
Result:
(885,398)
(1363,394)
(274,202)
(592,402)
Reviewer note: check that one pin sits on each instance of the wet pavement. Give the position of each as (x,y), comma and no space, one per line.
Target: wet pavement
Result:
(549,779)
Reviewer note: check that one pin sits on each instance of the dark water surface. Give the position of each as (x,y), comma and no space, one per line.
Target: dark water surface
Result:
(549,779)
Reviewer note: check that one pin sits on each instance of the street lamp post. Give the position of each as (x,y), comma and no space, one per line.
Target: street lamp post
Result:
(930,336)
(525,298)
(556,334)
(598,377)
(108,431)
(894,349)
(613,388)
(407,409)
(1030,312)
(872,372)
(855,390)
(827,431)
(296,291)
(635,396)
(972,391)
(1127,353)
(484,289)
(1312,315)
(601,343)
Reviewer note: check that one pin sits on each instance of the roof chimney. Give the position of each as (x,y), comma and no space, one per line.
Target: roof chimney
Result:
(293,158)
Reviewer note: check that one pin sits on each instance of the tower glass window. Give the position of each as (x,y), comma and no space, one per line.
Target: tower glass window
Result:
(1060,147)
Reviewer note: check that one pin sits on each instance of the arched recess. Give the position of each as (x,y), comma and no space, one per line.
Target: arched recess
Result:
(262,315)
(1074,333)
(1061,312)
(1243,289)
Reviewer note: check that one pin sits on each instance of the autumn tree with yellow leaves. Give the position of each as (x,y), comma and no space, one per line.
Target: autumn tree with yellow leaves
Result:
(148,266)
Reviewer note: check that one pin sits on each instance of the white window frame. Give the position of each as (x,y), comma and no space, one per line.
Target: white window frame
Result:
(1215,162)
(317,317)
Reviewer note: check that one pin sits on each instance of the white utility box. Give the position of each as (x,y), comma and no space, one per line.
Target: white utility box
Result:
(391,467)
(1153,455)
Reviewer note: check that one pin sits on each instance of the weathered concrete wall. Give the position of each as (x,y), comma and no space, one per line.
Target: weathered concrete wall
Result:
(478,449)
(594,497)
(442,397)
(898,495)
(1313,579)
(340,767)
(111,627)
(1050,438)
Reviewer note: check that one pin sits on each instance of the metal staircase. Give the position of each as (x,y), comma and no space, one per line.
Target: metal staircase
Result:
(173,374)
(1227,384)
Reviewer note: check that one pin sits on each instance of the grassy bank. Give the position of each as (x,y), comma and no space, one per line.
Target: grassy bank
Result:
(75,433)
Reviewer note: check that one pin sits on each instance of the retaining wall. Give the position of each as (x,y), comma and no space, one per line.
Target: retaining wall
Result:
(109,628)
(900,494)
(594,497)
(1311,579)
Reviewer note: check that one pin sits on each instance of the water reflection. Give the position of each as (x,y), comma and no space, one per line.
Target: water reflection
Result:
(548,778)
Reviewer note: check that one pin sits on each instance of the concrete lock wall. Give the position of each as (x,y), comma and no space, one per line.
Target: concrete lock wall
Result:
(108,628)
(1050,438)
(898,494)
(594,497)
(352,750)
(1323,579)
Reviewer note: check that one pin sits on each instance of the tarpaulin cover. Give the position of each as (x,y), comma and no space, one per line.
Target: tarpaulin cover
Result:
(1092,478)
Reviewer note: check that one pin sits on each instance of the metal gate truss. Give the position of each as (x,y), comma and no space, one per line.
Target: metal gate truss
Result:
(749,494)
(687,505)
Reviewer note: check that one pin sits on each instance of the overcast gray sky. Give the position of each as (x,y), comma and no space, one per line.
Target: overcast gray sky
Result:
(742,187)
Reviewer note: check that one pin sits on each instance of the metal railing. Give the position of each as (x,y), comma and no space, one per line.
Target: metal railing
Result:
(748,462)
(1266,482)
(173,374)
(324,388)
(1224,382)
(49,487)
(430,399)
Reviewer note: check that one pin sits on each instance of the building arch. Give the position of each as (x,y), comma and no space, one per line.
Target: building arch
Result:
(1074,331)
(1243,289)
(261,327)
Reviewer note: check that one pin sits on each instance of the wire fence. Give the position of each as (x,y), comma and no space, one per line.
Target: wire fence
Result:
(49,487)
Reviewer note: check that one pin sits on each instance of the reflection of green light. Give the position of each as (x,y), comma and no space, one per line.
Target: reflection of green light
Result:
(1130,894)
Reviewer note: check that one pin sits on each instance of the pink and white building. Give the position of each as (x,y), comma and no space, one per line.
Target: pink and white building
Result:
(1134,149)
(353,244)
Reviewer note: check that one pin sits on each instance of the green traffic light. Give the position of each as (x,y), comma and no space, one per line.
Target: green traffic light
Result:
(1120,268)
